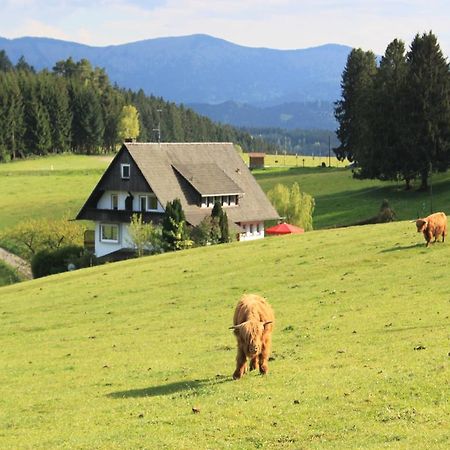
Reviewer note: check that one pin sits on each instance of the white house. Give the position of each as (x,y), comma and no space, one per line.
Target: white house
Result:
(143,177)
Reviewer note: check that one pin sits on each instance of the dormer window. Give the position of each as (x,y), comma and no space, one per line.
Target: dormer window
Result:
(125,171)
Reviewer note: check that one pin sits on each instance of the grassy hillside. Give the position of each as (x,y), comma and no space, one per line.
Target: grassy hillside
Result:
(57,185)
(47,187)
(116,357)
(342,200)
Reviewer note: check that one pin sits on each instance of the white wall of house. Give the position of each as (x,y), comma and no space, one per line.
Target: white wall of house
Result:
(253,230)
(105,201)
(103,247)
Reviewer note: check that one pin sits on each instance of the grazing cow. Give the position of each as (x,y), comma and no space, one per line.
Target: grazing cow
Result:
(434,225)
(253,323)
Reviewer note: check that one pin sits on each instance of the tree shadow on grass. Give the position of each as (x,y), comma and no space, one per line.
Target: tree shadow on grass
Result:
(402,247)
(171,388)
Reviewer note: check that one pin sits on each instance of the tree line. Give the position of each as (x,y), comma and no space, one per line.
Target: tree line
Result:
(74,107)
(297,141)
(394,117)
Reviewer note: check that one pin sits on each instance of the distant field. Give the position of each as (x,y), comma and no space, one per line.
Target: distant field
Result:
(47,187)
(58,185)
(342,200)
(298,161)
(116,357)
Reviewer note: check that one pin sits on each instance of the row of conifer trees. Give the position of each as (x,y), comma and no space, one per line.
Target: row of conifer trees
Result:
(394,117)
(74,107)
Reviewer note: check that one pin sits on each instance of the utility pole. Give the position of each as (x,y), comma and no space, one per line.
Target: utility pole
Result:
(431,187)
(329,151)
(158,130)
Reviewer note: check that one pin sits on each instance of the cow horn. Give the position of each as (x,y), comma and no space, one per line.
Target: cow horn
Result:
(234,327)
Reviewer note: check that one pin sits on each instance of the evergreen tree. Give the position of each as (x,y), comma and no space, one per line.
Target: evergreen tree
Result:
(12,126)
(87,123)
(174,230)
(354,111)
(23,66)
(395,157)
(112,102)
(5,62)
(224,231)
(428,93)
(37,135)
(60,117)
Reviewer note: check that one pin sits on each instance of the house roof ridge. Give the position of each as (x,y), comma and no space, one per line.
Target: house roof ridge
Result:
(177,143)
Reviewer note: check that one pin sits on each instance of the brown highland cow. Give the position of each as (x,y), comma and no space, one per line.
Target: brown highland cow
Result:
(253,323)
(434,225)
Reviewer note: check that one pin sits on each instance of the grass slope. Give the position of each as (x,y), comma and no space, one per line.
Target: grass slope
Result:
(57,185)
(116,357)
(342,200)
(47,187)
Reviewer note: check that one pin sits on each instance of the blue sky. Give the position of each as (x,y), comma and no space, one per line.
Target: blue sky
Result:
(283,24)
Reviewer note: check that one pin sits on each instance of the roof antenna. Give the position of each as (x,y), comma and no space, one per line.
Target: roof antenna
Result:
(159,111)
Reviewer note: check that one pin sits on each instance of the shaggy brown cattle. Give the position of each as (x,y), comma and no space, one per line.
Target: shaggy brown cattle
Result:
(253,323)
(434,225)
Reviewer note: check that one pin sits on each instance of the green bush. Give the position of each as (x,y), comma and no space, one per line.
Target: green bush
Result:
(48,262)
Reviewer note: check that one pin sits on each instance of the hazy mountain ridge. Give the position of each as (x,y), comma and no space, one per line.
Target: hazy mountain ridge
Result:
(202,69)
(293,115)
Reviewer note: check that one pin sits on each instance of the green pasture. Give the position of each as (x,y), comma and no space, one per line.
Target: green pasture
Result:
(343,200)
(117,356)
(58,185)
(283,161)
(47,187)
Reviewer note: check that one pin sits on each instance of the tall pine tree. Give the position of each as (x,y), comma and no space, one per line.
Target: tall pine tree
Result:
(354,111)
(428,94)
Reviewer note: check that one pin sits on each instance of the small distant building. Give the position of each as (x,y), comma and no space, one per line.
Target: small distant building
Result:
(256,160)
(143,177)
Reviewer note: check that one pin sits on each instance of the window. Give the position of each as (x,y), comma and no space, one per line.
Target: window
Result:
(125,171)
(109,233)
(251,228)
(149,202)
(114,201)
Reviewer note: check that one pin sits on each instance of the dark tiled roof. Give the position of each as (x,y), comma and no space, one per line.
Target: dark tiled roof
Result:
(215,168)
(208,179)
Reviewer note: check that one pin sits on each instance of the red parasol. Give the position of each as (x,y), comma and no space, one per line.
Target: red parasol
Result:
(284,228)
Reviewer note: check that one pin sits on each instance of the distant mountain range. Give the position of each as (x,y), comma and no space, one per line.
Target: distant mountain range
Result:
(203,69)
(304,115)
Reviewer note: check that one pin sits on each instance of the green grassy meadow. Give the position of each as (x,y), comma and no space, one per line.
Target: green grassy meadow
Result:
(58,185)
(116,356)
(47,187)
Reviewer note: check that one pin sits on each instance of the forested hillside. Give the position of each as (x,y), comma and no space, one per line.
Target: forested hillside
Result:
(75,108)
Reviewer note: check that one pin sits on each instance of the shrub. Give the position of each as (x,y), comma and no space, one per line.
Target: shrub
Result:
(49,262)
(33,235)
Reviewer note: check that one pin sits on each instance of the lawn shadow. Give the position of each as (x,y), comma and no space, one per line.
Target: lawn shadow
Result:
(402,247)
(171,388)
